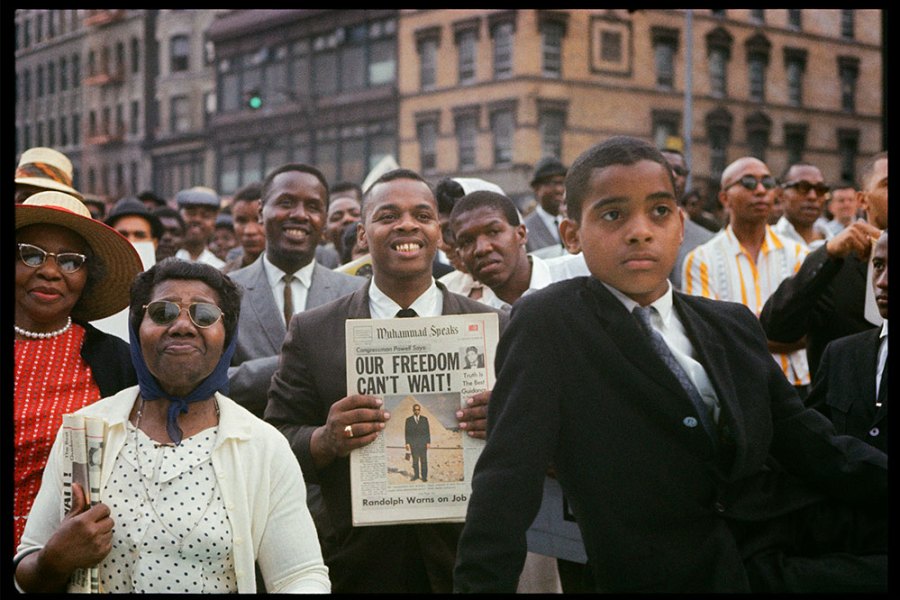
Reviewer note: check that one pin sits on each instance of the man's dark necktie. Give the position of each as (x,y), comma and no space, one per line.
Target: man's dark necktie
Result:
(404,313)
(642,314)
(288,299)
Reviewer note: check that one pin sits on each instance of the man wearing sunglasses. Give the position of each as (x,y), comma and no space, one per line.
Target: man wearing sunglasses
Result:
(830,296)
(747,260)
(803,190)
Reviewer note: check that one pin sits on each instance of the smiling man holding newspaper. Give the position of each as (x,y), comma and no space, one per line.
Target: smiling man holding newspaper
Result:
(310,403)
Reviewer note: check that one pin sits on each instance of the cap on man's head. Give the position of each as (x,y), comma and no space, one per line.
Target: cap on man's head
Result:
(224,220)
(197,196)
(46,169)
(546,168)
(131,206)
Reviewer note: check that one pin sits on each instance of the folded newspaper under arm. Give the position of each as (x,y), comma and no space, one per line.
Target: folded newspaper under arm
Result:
(84,440)
(424,369)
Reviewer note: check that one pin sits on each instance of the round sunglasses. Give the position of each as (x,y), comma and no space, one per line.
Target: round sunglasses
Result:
(202,314)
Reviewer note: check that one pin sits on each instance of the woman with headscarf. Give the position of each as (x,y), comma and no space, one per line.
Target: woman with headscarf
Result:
(70,269)
(194,489)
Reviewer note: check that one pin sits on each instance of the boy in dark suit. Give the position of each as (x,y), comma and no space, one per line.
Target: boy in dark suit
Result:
(309,401)
(850,387)
(676,438)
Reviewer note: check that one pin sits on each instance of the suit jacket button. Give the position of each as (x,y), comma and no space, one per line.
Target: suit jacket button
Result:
(720,508)
(690,422)
(874,432)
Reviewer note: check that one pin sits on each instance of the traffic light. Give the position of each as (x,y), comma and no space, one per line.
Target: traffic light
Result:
(254,99)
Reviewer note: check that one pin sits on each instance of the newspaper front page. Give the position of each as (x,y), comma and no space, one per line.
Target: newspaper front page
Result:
(83,445)
(419,470)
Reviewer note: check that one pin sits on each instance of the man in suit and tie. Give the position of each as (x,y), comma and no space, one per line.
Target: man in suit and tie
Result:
(687,458)
(826,299)
(310,404)
(542,223)
(850,387)
(293,205)
(418,440)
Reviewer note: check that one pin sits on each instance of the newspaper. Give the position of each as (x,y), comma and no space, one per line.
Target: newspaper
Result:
(83,446)
(419,470)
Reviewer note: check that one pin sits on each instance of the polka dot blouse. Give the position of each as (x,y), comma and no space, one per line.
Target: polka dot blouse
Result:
(180,539)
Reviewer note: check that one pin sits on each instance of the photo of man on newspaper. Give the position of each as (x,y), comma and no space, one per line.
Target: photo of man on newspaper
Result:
(427,435)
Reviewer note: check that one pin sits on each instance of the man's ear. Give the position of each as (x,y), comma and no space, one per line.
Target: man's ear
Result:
(522,234)
(361,234)
(569,233)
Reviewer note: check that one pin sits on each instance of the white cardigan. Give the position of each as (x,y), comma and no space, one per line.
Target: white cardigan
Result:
(261,483)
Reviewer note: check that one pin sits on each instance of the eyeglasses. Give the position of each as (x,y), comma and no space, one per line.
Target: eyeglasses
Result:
(803,186)
(202,314)
(33,256)
(750,182)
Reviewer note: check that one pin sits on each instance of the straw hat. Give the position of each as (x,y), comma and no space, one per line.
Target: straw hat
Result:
(113,293)
(47,169)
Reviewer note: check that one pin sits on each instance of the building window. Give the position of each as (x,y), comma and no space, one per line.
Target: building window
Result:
(848,24)
(466,134)
(794,142)
(27,41)
(718,73)
(26,136)
(551,122)
(63,131)
(39,77)
(180,114)
(502,35)
(502,129)
(51,132)
(120,59)
(120,119)
(611,46)
(758,15)
(382,52)
(39,133)
(135,119)
(665,44)
(51,78)
(325,65)
(76,129)
(353,58)
(427,133)
(848,147)
(134,175)
(718,133)
(135,55)
(666,128)
(795,66)
(756,68)
(427,42)
(758,127)
(795,18)
(465,51)
(63,74)
(26,85)
(552,33)
(76,71)
(179,52)
(848,72)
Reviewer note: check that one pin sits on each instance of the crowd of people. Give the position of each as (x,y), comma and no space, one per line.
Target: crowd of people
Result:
(708,386)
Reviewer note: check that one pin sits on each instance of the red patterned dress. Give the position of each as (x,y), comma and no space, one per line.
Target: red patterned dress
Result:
(51,379)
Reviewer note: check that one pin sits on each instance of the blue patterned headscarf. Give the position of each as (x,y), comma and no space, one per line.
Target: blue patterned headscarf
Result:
(217,381)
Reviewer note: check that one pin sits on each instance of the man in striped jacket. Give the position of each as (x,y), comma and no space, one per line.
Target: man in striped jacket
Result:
(746,261)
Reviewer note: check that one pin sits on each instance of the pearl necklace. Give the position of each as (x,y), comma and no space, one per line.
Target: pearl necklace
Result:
(36,335)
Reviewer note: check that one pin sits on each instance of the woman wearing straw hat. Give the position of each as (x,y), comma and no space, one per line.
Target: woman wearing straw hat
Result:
(70,269)
(43,169)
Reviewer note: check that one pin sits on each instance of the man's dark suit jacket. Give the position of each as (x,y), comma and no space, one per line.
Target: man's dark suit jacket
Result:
(579,386)
(311,376)
(844,388)
(824,300)
(417,435)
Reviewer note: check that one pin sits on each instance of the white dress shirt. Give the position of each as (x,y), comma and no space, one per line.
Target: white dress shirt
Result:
(665,320)
(429,304)
(882,357)
(299,284)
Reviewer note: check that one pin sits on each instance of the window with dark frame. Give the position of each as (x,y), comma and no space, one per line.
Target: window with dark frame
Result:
(502,35)
(427,47)
(848,24)
(848,73)
(552,33)
(426,134)
(848,148)
(466,135)
(665,45)
(465,48)
(179,53)
(551,122)
(795,18)
(502,130)
(795,66)
(794,142)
